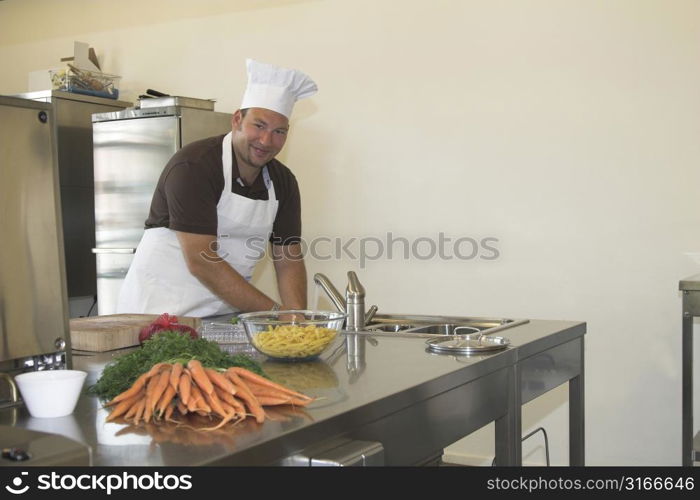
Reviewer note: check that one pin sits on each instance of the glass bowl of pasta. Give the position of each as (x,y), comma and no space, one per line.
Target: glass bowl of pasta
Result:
(292,335)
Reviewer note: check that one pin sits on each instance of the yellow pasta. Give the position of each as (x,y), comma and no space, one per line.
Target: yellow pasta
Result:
(293,341)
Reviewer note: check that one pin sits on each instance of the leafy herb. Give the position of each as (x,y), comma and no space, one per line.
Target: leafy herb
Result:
(168,347)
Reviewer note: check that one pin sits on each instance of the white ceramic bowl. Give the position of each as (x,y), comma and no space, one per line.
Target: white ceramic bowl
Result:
(50,393)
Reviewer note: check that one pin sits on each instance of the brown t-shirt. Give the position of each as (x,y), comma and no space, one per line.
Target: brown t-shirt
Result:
(190,186)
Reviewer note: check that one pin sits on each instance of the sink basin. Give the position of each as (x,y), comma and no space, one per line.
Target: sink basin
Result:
(446,329)
(390,327)
(436,326)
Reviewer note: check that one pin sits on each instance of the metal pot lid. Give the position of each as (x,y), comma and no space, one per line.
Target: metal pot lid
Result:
(467,344)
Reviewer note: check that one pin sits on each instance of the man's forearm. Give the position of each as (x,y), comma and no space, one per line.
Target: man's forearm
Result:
(231,287)
(220,278)
(291,276)
(291,282)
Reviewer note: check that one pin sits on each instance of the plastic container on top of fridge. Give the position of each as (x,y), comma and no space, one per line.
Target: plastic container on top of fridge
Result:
(82,81)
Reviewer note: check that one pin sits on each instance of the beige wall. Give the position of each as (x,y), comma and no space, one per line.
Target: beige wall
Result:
(567,129)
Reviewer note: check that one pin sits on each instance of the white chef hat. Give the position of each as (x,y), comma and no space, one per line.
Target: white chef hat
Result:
(275,88)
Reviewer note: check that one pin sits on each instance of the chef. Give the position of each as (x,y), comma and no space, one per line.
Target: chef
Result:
(217,204)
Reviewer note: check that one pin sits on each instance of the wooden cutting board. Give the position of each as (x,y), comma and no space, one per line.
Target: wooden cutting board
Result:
(114,331)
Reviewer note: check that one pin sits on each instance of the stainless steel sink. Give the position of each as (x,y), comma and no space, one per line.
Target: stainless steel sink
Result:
(404,325)
(390,327)
(446,329)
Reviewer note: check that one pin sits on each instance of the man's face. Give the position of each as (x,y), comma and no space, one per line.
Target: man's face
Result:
(258,136)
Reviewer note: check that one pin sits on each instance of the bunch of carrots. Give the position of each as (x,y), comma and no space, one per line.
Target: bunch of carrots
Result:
(231,395)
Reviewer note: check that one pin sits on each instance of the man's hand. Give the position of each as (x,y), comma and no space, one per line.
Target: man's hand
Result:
(291,275)
(217,275)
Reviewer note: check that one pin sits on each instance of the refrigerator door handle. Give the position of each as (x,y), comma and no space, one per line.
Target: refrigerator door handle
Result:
(113,250)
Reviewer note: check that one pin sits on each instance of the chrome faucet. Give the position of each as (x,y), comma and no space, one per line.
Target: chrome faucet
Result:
(354,303)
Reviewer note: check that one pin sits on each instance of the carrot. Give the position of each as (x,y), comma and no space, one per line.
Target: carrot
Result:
(239,406)
(229,401)
(266,392)
(165,400)
(215,403)
(299,402)
(230,409)
(248,398)
(259,390)
(197,401)
(283,400)
(136,387)
(155,369)
(150,386)
(185,385)
(123,406)
(272,401)
(193,401)
(175,373)
(200,376)
(182,407)
(223,422)
(147,412)
(159,388)
(169,411)
(253,377)
(141,405)
(132,411)
(219,380)
(224,396)
(302,402)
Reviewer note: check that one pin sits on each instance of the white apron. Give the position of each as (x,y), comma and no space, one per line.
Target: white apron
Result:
(158,280)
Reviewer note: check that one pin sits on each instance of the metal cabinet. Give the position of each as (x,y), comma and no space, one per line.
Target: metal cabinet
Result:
(72,115)
(32,281)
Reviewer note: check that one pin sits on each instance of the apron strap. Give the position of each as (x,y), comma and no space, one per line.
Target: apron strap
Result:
(269,185)
(227,162)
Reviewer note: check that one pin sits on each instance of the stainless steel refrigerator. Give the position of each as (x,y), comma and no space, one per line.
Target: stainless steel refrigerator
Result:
(131,148)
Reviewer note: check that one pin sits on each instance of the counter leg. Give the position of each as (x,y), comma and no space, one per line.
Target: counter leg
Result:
(509,426)
(577,429)
(687,375)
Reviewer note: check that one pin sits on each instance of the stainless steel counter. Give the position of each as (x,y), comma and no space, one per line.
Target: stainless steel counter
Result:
(380,390)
